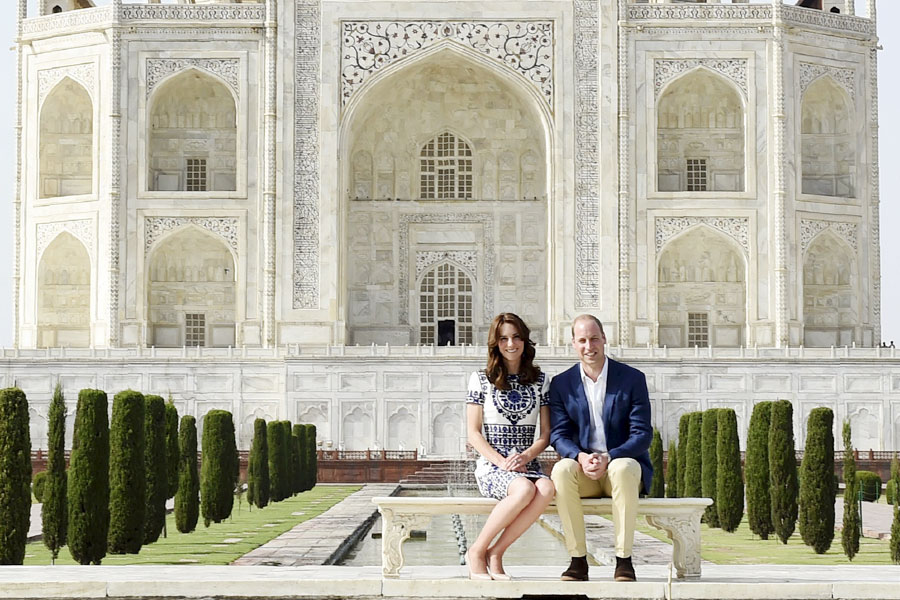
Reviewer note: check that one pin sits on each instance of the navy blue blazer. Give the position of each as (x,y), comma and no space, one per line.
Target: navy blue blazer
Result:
(626,416)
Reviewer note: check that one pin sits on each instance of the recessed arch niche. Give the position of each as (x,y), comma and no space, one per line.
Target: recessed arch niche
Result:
(389,129)
(66,141)
(402,431)
(700,135)
(191,291)
(701,290)
(830,311)
(64,294)
(447,432)
(828,150)
(357,431)
(192,142)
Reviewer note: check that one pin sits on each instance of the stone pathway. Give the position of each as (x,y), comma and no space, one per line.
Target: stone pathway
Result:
(322,540)
(876,518)
(36,524)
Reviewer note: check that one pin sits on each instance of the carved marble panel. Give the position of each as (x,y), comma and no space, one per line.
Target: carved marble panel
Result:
(82,229)
(666,69)
(425,259)
(526,47)
(307,43)
(737,228)
(85,74)
(226,69)
(224,227)
(844,77)
(810,228)
(312,382)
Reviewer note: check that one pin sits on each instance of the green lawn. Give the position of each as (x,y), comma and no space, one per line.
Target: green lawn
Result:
(220,543)
(742,548)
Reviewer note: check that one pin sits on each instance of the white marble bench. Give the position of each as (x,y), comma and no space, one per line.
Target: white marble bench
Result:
(678,517)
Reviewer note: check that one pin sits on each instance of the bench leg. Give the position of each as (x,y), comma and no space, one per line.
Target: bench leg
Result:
(684,531)
(395,529)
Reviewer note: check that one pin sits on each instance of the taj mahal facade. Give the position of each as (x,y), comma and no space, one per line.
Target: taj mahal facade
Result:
(312,209)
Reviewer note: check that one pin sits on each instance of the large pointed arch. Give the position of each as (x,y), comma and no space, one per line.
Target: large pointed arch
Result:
(700,131)
(701,290)
(192,134)
(66,142)
(447,90)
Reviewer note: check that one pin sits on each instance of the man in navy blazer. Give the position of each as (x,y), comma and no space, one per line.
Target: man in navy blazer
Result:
(600,426)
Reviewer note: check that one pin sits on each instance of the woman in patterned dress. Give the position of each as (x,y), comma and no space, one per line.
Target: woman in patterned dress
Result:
(503,404)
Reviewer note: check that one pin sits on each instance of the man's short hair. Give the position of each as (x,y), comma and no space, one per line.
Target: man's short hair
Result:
(586,317)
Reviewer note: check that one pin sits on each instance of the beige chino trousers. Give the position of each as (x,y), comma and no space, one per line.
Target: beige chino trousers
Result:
(621,482)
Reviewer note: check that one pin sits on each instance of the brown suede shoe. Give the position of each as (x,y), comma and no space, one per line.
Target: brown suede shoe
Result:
(577,571)
(624,570)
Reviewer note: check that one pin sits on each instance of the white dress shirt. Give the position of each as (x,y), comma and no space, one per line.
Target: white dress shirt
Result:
(595,392)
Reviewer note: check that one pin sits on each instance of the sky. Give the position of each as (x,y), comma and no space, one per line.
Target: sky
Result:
(889,148)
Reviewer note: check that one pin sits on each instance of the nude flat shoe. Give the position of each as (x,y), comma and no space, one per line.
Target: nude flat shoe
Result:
(476,576)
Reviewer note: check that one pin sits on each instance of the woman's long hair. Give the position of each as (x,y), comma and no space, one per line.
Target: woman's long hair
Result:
(496,369)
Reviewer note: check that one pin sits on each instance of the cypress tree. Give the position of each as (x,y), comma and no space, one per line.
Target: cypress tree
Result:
(298,438)
(127,479)
(671,476)
(172,452)
(816,517)
(891,489)
(684,425)
(54,512)
(39,485)
(15,476)
(693,470)
(312,461)
(782,469)
(729,482)
(187,498)
(217,468)
(88,490)
(708,440)
(156,465)
(658,483)
(759,512)
(277,451)
(851,524)
(895,525)
(258,469)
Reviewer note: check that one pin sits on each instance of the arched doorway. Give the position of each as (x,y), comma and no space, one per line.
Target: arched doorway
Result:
(66,141)
(446,157)
(64,294)
(828,149)
(830,310)
(701,297)
(191,291)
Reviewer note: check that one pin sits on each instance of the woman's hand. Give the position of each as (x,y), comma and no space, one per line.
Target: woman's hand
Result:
(515,462)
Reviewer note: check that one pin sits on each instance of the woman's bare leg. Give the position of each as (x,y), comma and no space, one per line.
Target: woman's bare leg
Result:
(544,493)
(519,495)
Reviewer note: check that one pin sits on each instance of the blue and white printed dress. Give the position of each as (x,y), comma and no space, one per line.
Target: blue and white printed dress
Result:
(509,423)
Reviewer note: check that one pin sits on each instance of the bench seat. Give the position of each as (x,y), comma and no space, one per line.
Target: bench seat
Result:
(678,517)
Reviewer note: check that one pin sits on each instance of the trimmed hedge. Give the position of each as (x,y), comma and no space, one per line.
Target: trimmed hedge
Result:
(658,483)
(816,510)
(851,522)
(298,438)
(172,452)
(15,476)
(38,486)
(684,425)
(729,482)
(783,485)
(187,498)
(278,476)
(693,468)
(88,492)
(217,471)
(312,461)
(708,440)
(127,479)
(54,512)
(258,469)
(870,484)
(156,467)
(672,475)
(756,465)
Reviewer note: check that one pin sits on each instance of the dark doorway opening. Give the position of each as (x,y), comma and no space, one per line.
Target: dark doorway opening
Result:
(447,332)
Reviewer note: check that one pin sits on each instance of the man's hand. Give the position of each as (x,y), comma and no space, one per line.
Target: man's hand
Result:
(594,464)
